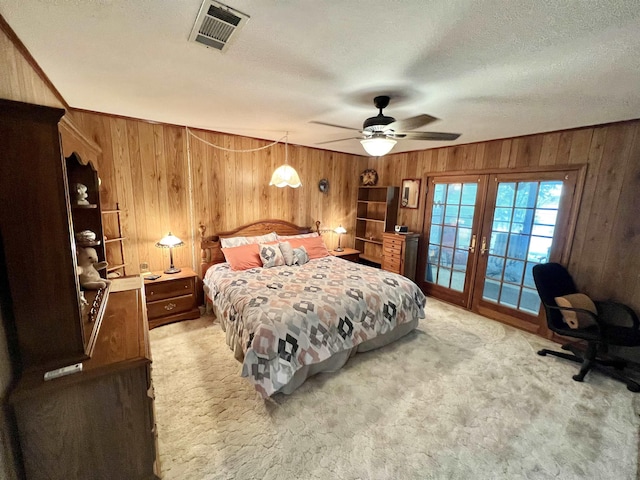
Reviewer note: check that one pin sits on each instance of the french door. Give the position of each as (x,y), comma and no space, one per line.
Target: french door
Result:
(486,232)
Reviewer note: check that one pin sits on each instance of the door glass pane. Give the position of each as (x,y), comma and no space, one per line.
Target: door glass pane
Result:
(506,192)
(460,258)
(444,277)
(457,281)
(435,234)
(523,225)
(450,234)
(495,267)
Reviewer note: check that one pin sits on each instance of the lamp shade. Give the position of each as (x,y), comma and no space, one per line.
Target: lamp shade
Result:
(340,230)
(378,146)
(285,176)
(169,241)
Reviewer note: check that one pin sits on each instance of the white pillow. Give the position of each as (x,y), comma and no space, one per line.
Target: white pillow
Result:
(301,235)
(239,241)
(287,252)
(271,256)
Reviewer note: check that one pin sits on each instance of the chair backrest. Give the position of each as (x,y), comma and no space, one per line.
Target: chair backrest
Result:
(553,280)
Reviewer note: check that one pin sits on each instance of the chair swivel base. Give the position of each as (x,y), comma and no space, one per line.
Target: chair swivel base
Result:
(603,366)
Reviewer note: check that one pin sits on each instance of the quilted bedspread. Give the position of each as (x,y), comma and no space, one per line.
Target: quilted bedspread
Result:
(287,317)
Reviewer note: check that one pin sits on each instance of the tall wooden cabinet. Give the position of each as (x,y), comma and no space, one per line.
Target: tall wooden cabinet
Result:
(97,423)
(400,253)
(377,212)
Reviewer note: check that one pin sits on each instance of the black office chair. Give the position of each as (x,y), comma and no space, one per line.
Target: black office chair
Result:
(614,324)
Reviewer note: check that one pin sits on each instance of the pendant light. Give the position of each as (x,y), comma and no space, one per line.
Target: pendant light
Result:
(285,175)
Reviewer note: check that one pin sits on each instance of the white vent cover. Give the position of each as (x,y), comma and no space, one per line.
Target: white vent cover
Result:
(216,25)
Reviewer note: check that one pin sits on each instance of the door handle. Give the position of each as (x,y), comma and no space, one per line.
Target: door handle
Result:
(472,248)
(483,247)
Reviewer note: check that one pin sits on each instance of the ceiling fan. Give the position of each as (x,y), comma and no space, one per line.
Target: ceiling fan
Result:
(381,132)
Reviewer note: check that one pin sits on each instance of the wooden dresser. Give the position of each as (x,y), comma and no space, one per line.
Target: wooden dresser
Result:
(400,253)
(172,297)
(99,423)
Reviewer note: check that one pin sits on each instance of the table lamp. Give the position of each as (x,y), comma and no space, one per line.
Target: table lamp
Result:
(169,242)
(340,230)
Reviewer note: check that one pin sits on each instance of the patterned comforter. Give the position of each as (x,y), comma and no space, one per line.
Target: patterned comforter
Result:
(287,317)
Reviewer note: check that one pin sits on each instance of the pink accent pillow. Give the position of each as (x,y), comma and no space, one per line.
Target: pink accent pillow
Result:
(243,257)
(314,246)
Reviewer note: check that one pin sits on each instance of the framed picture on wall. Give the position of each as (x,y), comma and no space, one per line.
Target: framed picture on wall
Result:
(410,193)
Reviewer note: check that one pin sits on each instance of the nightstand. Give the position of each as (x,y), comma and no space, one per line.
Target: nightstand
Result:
(171,298)
(348,254)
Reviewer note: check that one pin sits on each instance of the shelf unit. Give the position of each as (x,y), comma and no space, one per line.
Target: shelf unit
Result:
(71,426)
(114,241)
(376,213)
(85,217)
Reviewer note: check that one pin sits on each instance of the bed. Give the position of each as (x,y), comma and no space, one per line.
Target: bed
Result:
(289,322)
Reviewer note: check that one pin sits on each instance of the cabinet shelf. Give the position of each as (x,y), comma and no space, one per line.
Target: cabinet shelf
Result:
(116,267)
(371,258)
(372,202)
(371,219)
(93,243)
(84,207)
(377,241)
(116,210)
(116,239)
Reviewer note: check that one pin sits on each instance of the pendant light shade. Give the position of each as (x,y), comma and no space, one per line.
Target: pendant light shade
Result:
(285,175)
(378,146)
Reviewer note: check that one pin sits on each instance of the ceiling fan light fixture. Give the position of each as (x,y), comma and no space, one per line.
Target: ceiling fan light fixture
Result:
(377,146)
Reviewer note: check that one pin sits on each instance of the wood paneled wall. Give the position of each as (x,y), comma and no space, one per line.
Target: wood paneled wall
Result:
(165,181)
(19,80)
(604,257)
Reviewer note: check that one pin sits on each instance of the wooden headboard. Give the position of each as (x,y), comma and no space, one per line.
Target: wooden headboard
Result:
(210,246)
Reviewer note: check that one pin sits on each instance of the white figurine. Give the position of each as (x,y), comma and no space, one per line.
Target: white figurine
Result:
(81,194)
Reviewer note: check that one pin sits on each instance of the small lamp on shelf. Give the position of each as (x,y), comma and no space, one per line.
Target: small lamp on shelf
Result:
(340,230)
(170,241)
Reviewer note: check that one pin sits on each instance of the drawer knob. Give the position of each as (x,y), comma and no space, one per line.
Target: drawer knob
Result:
(170,306)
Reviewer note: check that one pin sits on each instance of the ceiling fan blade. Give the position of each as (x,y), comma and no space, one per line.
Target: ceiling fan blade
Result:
(427,136)
(339,140)
(336,126)
(410,123)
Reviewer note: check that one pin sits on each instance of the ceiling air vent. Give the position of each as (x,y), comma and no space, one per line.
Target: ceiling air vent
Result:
(216,25)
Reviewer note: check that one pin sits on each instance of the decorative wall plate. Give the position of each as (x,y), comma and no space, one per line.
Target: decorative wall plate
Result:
(323,185)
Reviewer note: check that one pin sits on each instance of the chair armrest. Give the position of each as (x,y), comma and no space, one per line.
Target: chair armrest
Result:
(619,314)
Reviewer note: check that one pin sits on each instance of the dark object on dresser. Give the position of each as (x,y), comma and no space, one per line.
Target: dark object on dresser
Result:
(613,324)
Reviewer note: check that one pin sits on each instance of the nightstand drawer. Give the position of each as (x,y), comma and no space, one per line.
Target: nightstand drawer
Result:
(170,306)
(168,289)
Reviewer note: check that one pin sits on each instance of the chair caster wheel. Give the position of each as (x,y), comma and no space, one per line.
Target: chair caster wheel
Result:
(633,387)
(542,353)
(577,378)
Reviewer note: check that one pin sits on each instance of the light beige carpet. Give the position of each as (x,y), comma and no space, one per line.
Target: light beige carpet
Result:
(462,397)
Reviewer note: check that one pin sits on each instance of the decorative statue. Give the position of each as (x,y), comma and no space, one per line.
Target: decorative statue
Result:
(81,194)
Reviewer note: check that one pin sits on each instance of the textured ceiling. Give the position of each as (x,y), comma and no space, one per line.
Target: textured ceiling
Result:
(488,69)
